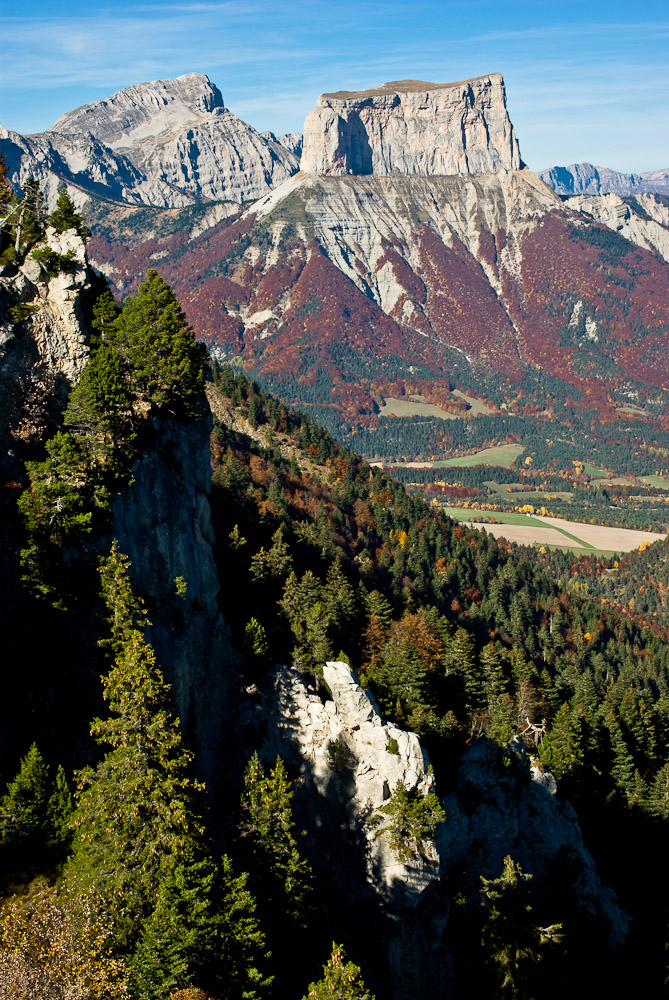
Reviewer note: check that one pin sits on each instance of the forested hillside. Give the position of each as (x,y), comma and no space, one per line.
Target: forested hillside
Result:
(124,876)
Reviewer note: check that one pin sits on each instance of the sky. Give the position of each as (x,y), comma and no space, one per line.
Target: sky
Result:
(584,81)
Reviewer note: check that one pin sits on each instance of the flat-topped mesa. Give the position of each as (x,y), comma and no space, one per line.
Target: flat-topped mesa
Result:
(412,127)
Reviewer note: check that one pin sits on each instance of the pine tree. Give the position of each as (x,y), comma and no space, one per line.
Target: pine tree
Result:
(165,363)
(101,399)
(203,922)
(658,799)
(139,848)
(105,313)
(24,811)
(412,820)
(139,809)
(494,681)
(65,217)
(279,877)
(512,943)
(341,980)
(60,809)
(561,749)
(269,846)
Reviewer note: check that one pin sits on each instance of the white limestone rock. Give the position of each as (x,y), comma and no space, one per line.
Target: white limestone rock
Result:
(166,143)
(412,127)
(55,326)
(365,773)
(643,219)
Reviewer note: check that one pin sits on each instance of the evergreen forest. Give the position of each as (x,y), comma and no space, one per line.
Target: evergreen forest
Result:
(133,865)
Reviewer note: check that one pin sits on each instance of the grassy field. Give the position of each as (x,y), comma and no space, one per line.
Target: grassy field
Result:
(503,455)
(592,471)
(476,407)
(503,490)
(412,408)
(657,481)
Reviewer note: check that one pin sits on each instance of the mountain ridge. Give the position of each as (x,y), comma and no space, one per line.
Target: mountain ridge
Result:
(586,178)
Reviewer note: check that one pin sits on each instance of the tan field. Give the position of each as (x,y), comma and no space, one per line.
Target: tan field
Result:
(553,531)
(527,534)
(601,537)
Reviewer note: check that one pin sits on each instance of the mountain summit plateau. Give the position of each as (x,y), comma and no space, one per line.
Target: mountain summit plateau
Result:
(412,127)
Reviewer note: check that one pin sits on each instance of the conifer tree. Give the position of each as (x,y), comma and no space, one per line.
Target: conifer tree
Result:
(341,980)
(166,365)
(101,399)
(513,944)
(65,216)
(24,810)
(139,845)
(268,841)
(60,809)
(561,749)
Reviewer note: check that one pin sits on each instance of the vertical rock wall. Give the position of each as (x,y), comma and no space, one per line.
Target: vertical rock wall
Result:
(163,523)
(412,127)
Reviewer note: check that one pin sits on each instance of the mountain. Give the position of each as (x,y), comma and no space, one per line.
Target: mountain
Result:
(412,127)
(414,252)
(167,143)
(642,219)
(585,178)
(313,559)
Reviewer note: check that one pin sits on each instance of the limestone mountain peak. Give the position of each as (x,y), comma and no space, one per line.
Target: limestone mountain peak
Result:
(144,110)
(413,127)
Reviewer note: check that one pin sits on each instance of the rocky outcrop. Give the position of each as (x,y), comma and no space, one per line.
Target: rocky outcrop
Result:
(167,143)
(514,810)
(344,749)
(43,340)
(86,166)
(643,220)
(163,523)
(291,140)
(585,178)
(412,127)
(348,760)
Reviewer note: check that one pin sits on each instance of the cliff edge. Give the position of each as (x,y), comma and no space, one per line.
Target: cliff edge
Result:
(413,127)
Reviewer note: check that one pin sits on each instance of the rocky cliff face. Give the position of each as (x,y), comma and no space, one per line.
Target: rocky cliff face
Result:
(643,219)
(585,178)
(412,127)
(167,143)
(348,760)
(163,523)
(515,810)
(43,341)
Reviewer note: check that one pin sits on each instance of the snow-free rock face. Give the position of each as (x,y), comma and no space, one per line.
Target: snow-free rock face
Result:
(412,127)
(585,178)
(163,523)
(643,219)
(166,143)
(347,760)
(43,340)
(515,811)
(346,743)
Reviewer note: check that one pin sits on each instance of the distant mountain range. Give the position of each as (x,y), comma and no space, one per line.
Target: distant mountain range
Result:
(412,250)
(584,178)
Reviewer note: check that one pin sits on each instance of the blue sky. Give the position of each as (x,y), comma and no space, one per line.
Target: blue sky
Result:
(585,81)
